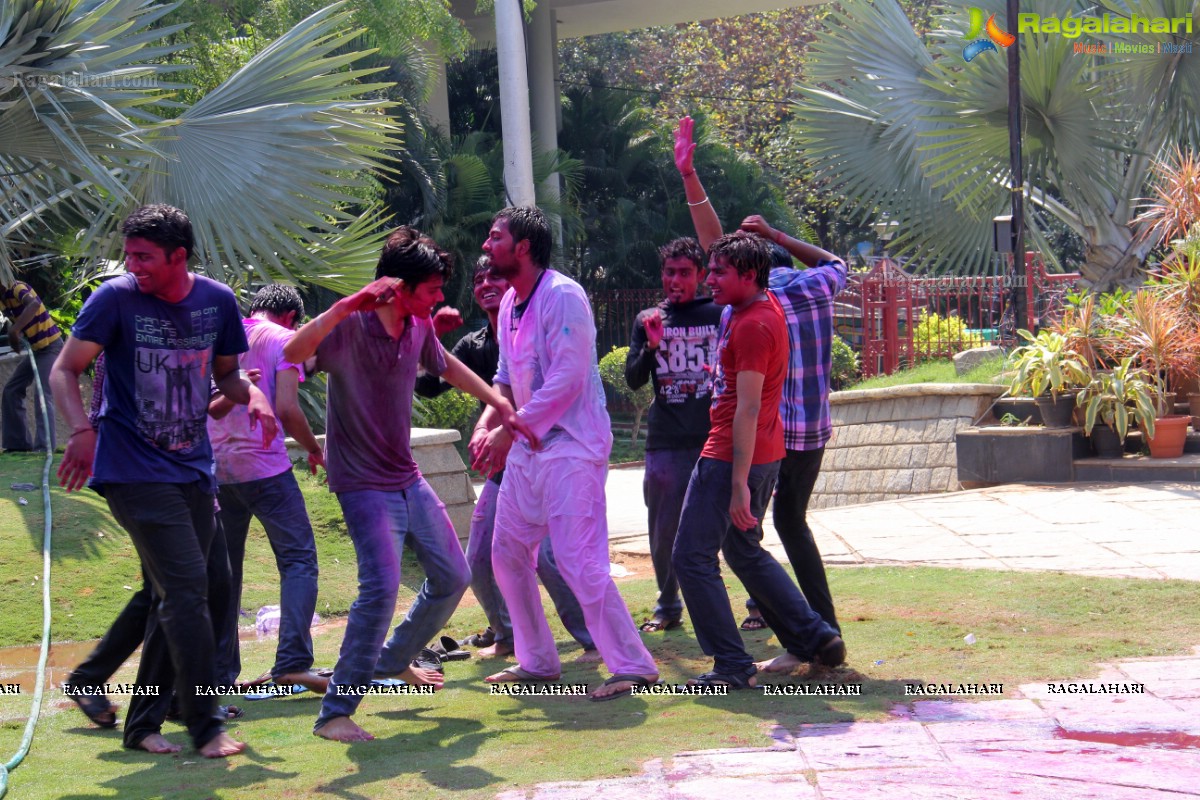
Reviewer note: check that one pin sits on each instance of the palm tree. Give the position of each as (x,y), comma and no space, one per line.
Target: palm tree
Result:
(907,127)
(266,164)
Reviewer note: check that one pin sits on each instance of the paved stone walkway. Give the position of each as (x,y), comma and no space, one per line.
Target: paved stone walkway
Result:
(1044,745)
(1050,741)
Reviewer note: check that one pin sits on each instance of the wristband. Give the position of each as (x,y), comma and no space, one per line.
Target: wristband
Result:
(77,431)
(702,202)
(688,174)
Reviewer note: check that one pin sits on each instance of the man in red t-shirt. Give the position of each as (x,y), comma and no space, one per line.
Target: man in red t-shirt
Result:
(735,476)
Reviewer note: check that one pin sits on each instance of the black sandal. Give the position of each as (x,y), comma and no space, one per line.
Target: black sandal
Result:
(636,680)
(725,679)
(97,708)
(658,625)
(753,623)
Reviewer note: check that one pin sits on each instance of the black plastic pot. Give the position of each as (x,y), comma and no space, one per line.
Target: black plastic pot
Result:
(1056,411)
(1106,442)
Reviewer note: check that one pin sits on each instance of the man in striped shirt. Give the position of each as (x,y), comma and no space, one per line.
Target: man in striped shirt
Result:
(28,317)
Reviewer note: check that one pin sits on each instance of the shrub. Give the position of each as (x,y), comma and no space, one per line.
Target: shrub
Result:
(937,334)
(845,364)
(452,410)
(612,372)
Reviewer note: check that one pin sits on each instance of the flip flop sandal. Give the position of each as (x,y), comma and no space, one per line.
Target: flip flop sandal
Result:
(428,659)
(754,624)
(259,681)
(657,625)
(636,680)
(231,712)
(724,679)
(270,690)
(525,675)
(447,649)
(485,639)
(97,708)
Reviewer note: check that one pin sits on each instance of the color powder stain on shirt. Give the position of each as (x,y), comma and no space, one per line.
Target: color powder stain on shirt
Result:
(566,331)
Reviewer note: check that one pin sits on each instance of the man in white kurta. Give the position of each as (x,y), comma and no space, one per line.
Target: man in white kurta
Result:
(548,368)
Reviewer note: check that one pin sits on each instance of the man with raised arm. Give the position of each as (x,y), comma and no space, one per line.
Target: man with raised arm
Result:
(675,345)
(807,297)
(548,368)
(733,480)
(370,345)
(165,333)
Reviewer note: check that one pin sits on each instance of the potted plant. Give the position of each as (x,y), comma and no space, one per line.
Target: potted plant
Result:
(1049,371)
(1111,398)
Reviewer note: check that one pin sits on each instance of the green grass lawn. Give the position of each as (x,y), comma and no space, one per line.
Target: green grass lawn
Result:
(901,624)
(934,372)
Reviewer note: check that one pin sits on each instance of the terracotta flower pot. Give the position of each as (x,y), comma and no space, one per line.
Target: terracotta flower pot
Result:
(1194,409)
(1170,433)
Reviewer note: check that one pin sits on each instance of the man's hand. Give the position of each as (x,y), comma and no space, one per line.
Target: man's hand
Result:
(653,325)
(684,146)
(262,415)
(490,450)
(756,224)
(76,465)
(739,507)
(374,295)
(446,319)
(316,458)
(14,338)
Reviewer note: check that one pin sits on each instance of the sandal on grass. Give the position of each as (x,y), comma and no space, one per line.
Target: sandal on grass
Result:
(517,674)
(754,624)
(636,680)
(447,649)
(97,708)
(658,625)
(724,679)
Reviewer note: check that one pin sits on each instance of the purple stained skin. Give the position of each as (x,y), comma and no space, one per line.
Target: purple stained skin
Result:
(977,47)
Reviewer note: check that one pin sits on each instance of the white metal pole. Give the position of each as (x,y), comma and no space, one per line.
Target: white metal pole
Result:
(514,103)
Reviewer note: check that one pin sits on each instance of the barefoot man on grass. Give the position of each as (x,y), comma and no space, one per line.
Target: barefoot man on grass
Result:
(165,333)
(370,344)
(548,369)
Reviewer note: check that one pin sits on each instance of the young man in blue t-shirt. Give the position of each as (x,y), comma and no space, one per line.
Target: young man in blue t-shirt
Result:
(166,334)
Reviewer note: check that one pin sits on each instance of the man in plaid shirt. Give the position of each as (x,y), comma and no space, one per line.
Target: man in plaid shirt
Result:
(807,298)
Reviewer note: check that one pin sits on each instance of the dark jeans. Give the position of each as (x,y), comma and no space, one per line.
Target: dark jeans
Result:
(483,578)
(275,502)
(12,406)
(705,531)
(172,526)
(663,486)
(797,476)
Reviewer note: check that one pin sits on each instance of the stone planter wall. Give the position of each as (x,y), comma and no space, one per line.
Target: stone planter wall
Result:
(442,467)
(896,442)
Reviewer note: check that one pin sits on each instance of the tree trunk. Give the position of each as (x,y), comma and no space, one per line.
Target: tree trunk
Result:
(637,425)
(1113,255)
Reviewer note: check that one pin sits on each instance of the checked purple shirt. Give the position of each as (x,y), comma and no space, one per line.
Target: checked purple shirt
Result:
(807,299)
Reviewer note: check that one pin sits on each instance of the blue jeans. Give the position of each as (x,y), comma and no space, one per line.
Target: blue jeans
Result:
(380,523)
(705,531)
(275,502)
(483,577)
(663,488)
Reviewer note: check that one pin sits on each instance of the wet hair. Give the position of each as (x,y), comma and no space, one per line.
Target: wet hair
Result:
(163,225)
(780,257)
(745,252)
(413,257)
(278,299)
(483,265)
(684,247)
(528,223)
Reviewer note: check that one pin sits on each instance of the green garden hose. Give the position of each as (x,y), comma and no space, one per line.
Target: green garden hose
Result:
(40,685)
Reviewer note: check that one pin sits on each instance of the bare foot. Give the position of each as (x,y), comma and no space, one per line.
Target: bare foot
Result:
(343,729)
(497,650)
(516,675)
(222,745)
(613,688)
(155,743)
(590,656)
(784,664)
(308,679)
(417,676)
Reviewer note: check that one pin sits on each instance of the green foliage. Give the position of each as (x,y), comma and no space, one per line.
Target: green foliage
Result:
(938,334)
(1112,397)
(612,372)
(450,410)
(940,371)
(1046,365)
(845,363)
